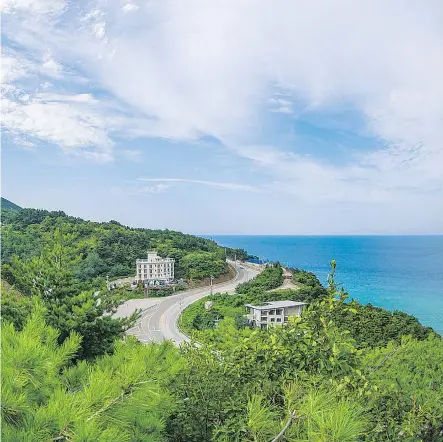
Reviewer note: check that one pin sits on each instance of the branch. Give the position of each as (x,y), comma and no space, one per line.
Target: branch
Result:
(388,356)
(109,404)
(62,437)
(121,396)
(292,416)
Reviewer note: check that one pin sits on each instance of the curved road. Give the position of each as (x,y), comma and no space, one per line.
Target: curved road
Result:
(160,315)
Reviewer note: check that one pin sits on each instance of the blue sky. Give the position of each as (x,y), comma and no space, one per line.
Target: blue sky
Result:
(227,117)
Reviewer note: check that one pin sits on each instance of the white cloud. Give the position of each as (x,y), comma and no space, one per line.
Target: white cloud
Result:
(130,7)
(217,184)
(184,70)
(59,122)
(11,69)
(50,67)
(156,188)
(33,6)
(16,67)
(95,21)
(75,98)
(280,105)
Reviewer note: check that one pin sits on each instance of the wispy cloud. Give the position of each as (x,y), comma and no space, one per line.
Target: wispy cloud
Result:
(132,155)
(217,184)
(140,190)
(225,70)
(281,105)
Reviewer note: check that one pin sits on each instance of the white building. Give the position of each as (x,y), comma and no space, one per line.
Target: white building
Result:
(155,268)
(273,313)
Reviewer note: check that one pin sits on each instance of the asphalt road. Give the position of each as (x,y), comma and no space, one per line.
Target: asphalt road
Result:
(160,316)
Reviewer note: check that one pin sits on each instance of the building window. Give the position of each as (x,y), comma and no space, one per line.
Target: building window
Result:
(272,319)
(272,312)
(278,311)
(278,319)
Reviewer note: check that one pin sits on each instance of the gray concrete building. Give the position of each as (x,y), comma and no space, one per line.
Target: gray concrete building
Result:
(273,313)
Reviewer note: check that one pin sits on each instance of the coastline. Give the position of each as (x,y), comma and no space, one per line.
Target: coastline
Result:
(392,272)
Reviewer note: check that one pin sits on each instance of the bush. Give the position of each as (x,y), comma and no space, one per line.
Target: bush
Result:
(270,278)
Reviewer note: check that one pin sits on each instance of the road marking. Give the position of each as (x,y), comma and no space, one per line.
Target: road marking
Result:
(168,320)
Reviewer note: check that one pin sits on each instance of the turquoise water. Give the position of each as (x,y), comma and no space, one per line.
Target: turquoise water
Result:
(394,272)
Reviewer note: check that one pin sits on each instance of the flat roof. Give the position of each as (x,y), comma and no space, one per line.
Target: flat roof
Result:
(276,304)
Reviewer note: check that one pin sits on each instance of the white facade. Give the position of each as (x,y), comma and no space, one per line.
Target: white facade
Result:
(273,313)
(155,268)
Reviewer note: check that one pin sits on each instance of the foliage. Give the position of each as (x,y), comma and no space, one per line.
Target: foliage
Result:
(63,260)
(105,248)
(15,307)
(409,401)
(304,277)
(311,351)
(162,292)
(310,379)
(373,326)
(324,415)
(9,205)
(198,265)
(239,254)
(341,372)
(123,397)
(50,278)
(196,317)
(270,278)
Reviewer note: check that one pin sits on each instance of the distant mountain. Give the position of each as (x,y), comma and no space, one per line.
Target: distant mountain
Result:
(6,204)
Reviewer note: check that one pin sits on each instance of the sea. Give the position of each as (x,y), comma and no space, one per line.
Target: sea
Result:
(393,272)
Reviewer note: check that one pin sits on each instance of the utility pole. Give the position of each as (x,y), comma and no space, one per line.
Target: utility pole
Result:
(211,283)
(107,282)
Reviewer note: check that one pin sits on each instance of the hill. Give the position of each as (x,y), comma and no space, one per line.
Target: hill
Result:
(9,205)
(108,248)
(340,372)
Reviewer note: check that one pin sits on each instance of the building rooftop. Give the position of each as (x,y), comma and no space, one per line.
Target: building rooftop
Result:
(276,304)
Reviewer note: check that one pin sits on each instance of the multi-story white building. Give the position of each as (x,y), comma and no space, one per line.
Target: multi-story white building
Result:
(155,268)
(273,313)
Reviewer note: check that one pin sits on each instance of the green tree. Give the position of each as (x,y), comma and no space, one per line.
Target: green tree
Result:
(408,403)
(67,307)
(121,397)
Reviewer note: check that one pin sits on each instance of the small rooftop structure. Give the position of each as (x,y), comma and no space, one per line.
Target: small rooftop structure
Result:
(154,258)
(276,304)
(273,313)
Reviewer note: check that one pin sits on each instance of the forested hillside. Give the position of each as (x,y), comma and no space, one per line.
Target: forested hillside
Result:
(64,261)
(9,205)
(307,380)
(109,248)
(341,372)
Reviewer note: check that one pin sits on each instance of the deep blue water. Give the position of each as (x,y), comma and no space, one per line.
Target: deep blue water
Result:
(394,272)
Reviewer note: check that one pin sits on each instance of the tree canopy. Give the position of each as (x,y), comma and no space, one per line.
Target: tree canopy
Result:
(341,372)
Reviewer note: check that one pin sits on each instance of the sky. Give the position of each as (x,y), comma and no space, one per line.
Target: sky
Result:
(232,117)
